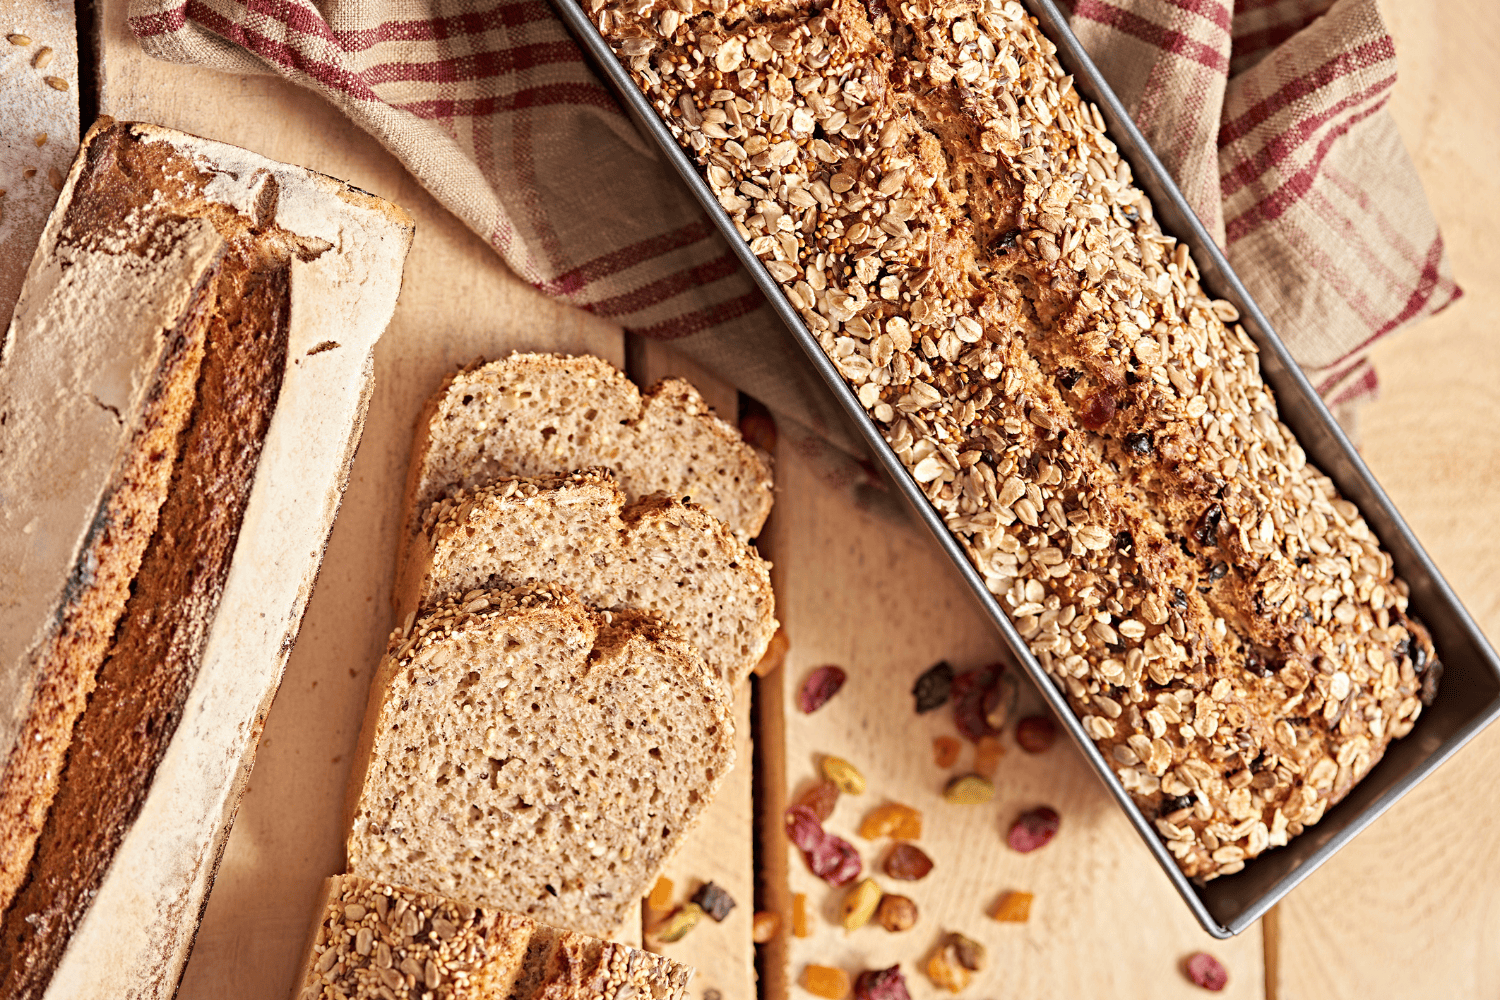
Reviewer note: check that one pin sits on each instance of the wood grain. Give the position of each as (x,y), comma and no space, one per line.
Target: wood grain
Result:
(1411,908)
(883,603)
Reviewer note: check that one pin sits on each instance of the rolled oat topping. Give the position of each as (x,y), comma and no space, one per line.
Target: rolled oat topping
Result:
(953,224)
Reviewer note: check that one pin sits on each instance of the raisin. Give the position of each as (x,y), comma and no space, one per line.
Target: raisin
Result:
(820,685)
(896,913)
(892,820)
(1125,541)
(932,688)
(1033,829)
(826,981)
(945,751)
(973,703)
(714,901)
(1069,377)
(1218,571)
(999,703)
(820,798)
(1207,971)
(1172,803)
(987,754)
(1402,648)
(775,654)
(907,863)
(1007,240)
(1179,598)
(1139,444)
(969,953)
(1208,527)
(764,926)
(1098,409)
(1036,733)
(1257,665)
(881,984)
(1014,908)
(1419,658)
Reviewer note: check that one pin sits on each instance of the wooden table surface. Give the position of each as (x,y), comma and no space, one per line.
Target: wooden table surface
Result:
(1410,909)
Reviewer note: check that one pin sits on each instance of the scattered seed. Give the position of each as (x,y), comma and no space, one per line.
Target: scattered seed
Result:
(1014,908)
(43,57)
(945,751)
(678,924)
(907,862)
(18,39)
(859,905)
(55,178)
(826,981)
(764,926)
(56,82)
(932,688)
(844,775)
(660,899)
(1036,733)
(969,790)
(775,654)
(822,684)
(1033,829)
(714,901)
(892,820)
(1207,971)
(881,984)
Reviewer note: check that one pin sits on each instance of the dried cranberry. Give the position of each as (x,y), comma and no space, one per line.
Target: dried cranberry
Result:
(1218,571)
(881,984)
(1036,733)
(835,861)
(932,688)
(1208,528)
(1098,409)
(1172,803)
(1033,829)
(804,828)
(1139,444)
(907,862)
(973,703)
(820,685)
(820,798)
(1207,971)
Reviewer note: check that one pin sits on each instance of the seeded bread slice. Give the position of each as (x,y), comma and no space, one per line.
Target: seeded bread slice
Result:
(576,530)
(528,752)
(533,414)
(370,936)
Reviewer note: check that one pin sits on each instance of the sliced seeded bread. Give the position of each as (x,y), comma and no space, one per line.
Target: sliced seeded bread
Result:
(656,554)
(532,414)
(371,936)
(528,752)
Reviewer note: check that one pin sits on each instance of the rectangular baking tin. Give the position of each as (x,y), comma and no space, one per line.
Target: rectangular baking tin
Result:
(1469,696)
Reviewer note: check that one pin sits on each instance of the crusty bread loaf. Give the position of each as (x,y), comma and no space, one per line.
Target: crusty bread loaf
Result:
(533,414)
(528,752)
(374,940)
(576,530)
(954,226)
(170,463)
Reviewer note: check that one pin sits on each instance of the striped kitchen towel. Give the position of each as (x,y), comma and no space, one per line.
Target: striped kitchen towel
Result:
(1270,113)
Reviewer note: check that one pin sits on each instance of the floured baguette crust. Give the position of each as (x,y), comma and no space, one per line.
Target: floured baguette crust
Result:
(158,338)
(533,414)
(656,554)
(529,752)
(956,229)
(371,936)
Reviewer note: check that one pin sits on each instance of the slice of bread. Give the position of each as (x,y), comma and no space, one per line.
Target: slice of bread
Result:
(533,414)
(528,752)
(576,530)
(373,939)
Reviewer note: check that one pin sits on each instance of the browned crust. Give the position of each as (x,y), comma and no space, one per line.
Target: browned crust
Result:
(154,658)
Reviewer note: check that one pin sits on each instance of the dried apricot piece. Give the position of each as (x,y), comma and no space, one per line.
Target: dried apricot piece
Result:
(945,751)
(799,915)
(892,820)
(859,905)
(660,899)
(844,774)
(764,926)
(826,981)
(820,798)
(1014,908)
(907,862)
(987,754)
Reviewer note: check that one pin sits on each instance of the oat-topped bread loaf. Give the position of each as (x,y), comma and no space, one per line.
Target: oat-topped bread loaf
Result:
(533,414)
(656,554)
(953,224)
(181,388)
(374,940)
(526,751)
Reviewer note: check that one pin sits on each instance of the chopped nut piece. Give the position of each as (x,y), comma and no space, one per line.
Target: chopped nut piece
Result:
(892,820)
(944,970)
(859,905)
(676,927)
(764,926)
(969,790)
(714,901)
(896,913)
(1014,908)
(799,916)
(660,899)
(825,981)
(907,862)
(945,751)
(844,775)
(969,953)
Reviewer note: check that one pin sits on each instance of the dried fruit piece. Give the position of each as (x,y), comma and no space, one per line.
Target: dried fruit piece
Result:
(881,984)
(969,953)
(945,751)
(820,685)
(803,827)
(714,901)
(1036,733)
(1033,829)
(896,913)
(764,926)
(825,981)
(820,798)
(892,820)
(987,754)
(832,859)
(969,790)
(678,924)
(859,905)
(945,971)
(660,899)
(1207,971)
(932,688)
(844,775)
(799,915)
(1014,908)
(1000,703)
(907,862)
(972,693)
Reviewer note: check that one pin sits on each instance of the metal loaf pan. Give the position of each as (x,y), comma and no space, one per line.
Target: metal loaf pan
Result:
(1468,698)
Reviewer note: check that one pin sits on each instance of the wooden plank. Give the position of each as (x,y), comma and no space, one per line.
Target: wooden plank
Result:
(878,599)
(458,302)
(721,848)
(1409,909)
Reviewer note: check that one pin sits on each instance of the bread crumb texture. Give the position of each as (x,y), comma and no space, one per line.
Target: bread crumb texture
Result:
(957,230)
